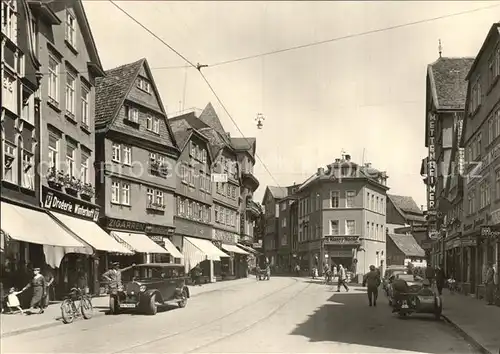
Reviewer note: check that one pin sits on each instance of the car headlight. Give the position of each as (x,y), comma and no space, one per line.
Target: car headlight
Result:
(142,288)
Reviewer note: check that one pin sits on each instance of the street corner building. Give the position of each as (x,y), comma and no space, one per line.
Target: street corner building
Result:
(215,215)
(136,157)
(48,210)
(341,217)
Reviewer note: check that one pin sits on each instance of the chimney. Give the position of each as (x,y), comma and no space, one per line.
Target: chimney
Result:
(348,157)
(321,171)
(368,164)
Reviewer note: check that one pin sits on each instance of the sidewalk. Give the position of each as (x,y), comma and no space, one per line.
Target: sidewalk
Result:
(17,323)
(479,322)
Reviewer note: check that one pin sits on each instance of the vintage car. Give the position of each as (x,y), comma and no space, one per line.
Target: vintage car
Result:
(413,282)
(418,298)
(389,272)
(145,287)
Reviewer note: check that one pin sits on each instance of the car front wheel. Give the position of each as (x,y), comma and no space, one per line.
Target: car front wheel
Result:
(152,309)
(184,300)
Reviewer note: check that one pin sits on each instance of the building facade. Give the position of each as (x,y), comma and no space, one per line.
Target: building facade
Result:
(287,226)
(481,140)
(136,160)
(272,197)
(20,125)
(403,250)
(445,104)
(342,217)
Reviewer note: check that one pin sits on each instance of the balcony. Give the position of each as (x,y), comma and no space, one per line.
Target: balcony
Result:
(249,180)
(253,208)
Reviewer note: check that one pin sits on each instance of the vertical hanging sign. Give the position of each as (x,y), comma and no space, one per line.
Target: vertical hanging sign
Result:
(431,166)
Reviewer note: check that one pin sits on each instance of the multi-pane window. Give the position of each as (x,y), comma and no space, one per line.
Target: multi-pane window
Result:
(28,170)
(125,189)
(350,227)
(115,192)
(190,209)
(53,86)
(349,199)
(127,154)
(376,204)
(471,203)
(84,167)
(150,194)
(373,230)
(53,151)
(368,200)
(9,92)
(475,97)
(367,229)
(334,227)
(143,84)
(85,96)
(133,114)
(382,233)
(334,199)
(9,161)
(372,202)
(28,110)
(70,93)
(9,19)
(70,159)
(149,122)
(116,152)
(485,194)
(216,213)
(159,197)
(71,29)
(156,125)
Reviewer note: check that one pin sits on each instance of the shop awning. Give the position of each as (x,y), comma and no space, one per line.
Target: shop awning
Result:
(91,233)
(170,247)
(233,248)
(28,225)
(140,242)
(206,247)
(249,249)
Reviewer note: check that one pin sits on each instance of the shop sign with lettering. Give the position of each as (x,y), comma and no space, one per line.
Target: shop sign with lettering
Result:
(431,164)
(340,253)
(192,228)
(224,236)
(135,226)
(158,240)
(341,240)
(468,242)
(60,202)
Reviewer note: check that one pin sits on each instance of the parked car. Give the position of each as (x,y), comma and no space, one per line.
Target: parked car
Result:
(414,283)
(390,271)
(149,286)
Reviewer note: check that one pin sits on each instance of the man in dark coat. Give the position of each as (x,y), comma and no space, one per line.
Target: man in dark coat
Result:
(440,279)
(372,281)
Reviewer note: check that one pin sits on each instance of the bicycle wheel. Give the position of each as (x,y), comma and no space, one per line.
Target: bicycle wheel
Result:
(86,307)
(67,312)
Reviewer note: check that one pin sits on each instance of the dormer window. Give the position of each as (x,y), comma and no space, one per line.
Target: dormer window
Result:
(133,115)
(143,85)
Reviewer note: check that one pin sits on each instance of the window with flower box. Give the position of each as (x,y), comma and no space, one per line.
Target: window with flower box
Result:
(70,159)
(84,167)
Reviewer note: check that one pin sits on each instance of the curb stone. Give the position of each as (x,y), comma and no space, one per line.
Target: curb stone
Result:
(58,322)
(467,336)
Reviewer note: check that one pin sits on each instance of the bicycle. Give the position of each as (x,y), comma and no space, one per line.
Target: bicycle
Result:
(70,310)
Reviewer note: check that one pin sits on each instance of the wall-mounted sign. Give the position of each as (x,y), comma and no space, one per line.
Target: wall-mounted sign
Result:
(431,164)
(242,224)
(341,240)
(135,226)
(339,254)
(224,236)
(60,202)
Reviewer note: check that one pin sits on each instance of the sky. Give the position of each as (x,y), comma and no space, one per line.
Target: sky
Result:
(363,95)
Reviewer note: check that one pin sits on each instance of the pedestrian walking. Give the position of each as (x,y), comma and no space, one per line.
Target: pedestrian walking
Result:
(490,284)
(39,286)
(440,279)
(372,281)
(13,301)
(342,279)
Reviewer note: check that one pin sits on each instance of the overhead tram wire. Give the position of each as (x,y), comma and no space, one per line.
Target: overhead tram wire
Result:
(198,67)
(360,34)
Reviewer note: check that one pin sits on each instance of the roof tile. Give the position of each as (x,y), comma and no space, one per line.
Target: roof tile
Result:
(405,203)
(448,76)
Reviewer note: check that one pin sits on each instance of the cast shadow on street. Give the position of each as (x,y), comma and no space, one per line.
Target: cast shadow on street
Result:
(347,318)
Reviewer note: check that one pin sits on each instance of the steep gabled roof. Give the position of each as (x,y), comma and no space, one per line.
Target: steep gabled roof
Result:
(448,83)
(278,192)
(210,118)
(112,90)
(183,131)
(494,30)
(407,244)
(407,207)
(191,119)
